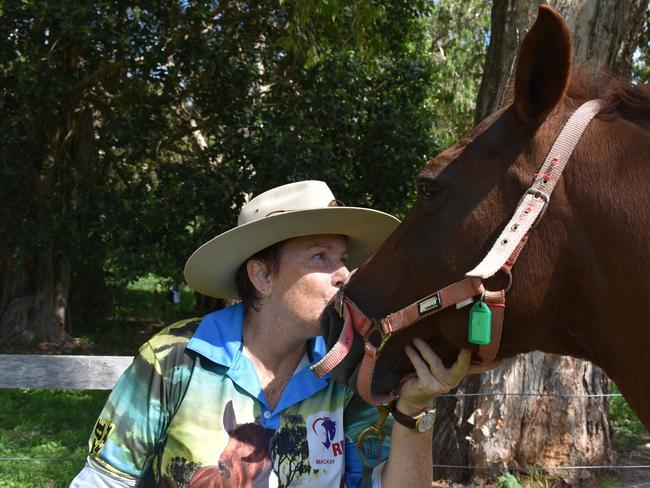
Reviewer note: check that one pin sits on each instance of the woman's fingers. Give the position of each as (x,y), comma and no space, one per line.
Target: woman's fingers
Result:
(436,366)
(421,367)
(461,366)
(433,378)
(449,377)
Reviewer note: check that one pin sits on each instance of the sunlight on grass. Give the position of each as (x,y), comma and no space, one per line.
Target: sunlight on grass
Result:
(45,424)
(55,425)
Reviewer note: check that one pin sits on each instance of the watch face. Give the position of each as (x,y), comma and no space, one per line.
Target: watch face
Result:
(426,421)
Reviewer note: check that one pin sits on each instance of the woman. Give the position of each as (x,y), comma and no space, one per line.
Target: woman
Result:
(230,400)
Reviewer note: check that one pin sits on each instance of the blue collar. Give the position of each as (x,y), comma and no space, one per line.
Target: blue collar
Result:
(219,338)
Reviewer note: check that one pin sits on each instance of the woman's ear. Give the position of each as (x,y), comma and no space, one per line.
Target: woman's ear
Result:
(258,273)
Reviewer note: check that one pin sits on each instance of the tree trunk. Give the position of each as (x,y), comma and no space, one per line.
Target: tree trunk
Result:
(567,428)
(36,286)
(37,300)
(546,421)
(605,36)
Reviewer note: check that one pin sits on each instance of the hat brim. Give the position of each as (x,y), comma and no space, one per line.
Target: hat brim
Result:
(211,269)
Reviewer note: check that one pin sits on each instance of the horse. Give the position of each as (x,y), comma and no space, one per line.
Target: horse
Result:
(579,284)
(245,461)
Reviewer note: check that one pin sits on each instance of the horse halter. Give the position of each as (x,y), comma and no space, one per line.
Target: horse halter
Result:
(501,257)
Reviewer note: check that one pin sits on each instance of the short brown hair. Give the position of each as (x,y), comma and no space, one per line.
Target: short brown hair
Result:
(249,295)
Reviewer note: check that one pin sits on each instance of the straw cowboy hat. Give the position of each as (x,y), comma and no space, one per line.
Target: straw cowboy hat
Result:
(293,210)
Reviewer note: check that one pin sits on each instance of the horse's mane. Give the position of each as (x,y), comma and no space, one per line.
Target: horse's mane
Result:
(622,98)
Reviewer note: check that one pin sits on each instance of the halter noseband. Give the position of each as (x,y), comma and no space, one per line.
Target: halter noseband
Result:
(501,257)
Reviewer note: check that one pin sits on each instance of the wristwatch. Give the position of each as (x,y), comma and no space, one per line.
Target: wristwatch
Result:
(421,423)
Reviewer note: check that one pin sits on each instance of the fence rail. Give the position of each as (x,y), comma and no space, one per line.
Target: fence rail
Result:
(61,372)
(102,372)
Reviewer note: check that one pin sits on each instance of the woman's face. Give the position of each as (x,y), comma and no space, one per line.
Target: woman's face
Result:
(311,270)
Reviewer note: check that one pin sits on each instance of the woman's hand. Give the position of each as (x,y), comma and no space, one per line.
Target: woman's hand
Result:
(431,377)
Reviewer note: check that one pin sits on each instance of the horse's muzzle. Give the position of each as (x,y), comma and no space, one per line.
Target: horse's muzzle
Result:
(331,324)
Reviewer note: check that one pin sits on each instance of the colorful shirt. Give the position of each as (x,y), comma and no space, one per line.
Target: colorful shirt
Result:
(190,411)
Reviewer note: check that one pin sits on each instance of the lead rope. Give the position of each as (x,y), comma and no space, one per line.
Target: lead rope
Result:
(369,446)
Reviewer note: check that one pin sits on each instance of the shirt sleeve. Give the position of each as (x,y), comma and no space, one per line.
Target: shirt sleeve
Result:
(94,477)
(358,416)
(133,420)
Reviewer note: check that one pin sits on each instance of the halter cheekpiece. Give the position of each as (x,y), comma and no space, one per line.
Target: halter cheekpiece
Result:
(501,257)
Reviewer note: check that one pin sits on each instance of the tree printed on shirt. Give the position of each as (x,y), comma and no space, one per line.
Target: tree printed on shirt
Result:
(181,470)
(289,450)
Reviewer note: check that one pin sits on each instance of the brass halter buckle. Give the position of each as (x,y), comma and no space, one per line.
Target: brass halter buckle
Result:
(376,429)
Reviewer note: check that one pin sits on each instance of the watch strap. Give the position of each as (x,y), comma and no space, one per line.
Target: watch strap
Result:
(407,420)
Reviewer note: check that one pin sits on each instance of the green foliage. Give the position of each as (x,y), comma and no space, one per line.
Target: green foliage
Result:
(458,33)
(641,63)
(608,482)
(508,480)
(135,313)
(539,478)
(40,424)
(133,131)
(628,430)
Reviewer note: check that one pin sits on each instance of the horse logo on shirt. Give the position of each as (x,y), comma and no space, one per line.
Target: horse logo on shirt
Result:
(244,463)
(325,429)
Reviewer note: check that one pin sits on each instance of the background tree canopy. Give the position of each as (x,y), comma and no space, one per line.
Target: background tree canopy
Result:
(133,131)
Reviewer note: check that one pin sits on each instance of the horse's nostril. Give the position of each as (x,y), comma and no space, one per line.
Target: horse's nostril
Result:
(225,472)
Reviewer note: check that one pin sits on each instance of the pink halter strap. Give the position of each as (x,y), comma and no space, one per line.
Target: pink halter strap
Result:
(501,257)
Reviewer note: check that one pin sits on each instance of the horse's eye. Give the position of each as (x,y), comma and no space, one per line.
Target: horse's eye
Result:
(427,189)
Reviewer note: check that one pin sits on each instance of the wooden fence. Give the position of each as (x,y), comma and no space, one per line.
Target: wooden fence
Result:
(61,372)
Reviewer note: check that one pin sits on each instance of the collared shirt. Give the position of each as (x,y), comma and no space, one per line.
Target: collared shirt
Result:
(190,410)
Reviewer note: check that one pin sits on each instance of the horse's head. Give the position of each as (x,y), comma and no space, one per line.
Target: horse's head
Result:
(244,460)
(466,195)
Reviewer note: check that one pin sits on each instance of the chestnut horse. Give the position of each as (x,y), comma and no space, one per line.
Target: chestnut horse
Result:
(580,284)
(244,463)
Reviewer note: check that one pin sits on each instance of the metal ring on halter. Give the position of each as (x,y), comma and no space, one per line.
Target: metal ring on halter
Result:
(508,273)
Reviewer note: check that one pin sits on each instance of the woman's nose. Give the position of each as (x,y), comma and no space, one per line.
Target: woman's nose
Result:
(340,276)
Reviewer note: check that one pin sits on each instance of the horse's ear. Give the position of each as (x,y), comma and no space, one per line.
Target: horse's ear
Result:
(229,418)
(543,66)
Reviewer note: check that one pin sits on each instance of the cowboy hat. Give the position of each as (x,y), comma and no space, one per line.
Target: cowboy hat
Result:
(293,210)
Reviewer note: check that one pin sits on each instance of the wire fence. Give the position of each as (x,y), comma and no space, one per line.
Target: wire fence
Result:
(524,394)
(488,469)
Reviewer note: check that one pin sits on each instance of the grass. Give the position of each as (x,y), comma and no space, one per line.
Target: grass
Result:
(46,424)
(56,424)
(49,424)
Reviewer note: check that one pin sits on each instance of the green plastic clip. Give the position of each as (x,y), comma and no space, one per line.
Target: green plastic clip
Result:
(480,323)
